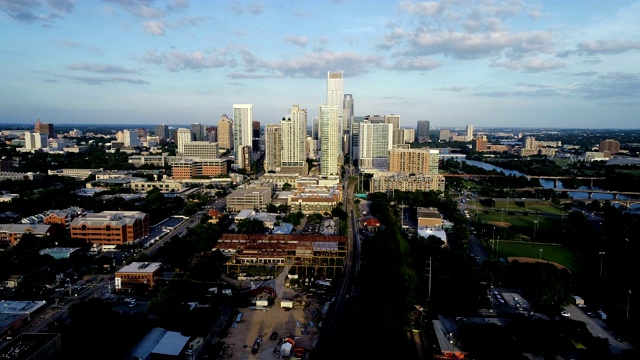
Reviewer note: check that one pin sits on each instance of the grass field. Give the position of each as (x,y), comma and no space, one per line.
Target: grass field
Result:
(554,253)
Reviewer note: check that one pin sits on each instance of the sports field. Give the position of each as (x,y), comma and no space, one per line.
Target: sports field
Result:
(550,252)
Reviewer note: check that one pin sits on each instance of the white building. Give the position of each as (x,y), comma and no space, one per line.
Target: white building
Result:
(375,142)
(183,137)
(242,131)
(335,97)
(328,115)
(35,141)
(294,135)
(130,138)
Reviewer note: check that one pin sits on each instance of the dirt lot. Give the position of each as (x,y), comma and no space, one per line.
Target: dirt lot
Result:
(261,323)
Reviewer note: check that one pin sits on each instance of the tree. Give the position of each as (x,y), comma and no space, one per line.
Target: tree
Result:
(250,226)
(286,186)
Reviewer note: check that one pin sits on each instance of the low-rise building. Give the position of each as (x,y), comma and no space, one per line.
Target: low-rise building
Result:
(111,227)
(249,198)
(167,186)
(12,233)
(137,276)
(429,217)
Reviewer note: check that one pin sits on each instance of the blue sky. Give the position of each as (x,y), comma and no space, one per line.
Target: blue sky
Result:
(568,64)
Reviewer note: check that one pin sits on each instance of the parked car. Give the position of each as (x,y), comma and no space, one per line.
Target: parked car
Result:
(564,313)
(274,335)
(256,346)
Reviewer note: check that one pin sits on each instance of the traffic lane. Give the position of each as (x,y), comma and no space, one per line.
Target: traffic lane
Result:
(594,327)
(477,249)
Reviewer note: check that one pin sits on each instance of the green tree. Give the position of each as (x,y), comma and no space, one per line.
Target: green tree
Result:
(250,226)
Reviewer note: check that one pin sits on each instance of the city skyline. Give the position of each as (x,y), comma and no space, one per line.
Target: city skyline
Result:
(487,63)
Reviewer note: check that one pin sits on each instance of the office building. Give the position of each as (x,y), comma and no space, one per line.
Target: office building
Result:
(200,149)
(242,132)
(408,136)
(328,115)
(294,134)
(272,148)
(414,161)
(469,132)
(192,167)
(347,113)
(251,198)
(198,132)
(480,144)
(335,97)
(183,137)
(225,133)
(162,131)
(111,227)
(375,142)
(137,277)
(46,129)
(130,138)
(255,136)
(35,141)
(444,135)
(529,142)
(423,131)
(611,146)
(354,141)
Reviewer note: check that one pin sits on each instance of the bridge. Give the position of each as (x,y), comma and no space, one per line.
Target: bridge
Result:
(590,192)
(556,178)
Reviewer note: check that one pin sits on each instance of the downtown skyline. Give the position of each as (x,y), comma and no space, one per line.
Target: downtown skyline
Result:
(488,63)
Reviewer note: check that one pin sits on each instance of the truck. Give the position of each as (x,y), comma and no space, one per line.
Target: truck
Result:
(286,304)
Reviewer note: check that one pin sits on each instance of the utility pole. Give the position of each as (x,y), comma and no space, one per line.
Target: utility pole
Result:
(429,294)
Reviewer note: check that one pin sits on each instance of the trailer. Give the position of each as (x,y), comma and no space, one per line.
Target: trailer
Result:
(579,301)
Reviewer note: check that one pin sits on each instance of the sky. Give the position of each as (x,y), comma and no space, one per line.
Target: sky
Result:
(510,63)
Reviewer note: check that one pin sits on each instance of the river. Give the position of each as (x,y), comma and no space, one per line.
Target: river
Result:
(549,184)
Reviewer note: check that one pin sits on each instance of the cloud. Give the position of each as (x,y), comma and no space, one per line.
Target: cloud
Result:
(102,80)
(609,85)
(175,61)
(158,27)
(31,11)
(606,47)
(530,65)
(148,9)
(453,88)
(239,8)
(528,93)
(585,73)
(70,45)
(102,68)
(416,63)
(239,75)
(301,41)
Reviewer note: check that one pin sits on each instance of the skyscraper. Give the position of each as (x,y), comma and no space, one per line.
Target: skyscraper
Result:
(423,131)
(130,138)
(272,148)
(335,97)
(198,132)
(242,131)
(294,135)
(225,133)
(328,116)
(46,129)
(255,135)
(162,131)
(469,132)
(347,112)
(375,142)
(183,137)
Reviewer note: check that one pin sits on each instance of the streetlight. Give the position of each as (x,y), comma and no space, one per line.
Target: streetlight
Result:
(601,259)
(535,227)
(628,300)
(541,254)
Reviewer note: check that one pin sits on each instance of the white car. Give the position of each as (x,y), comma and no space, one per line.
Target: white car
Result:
(564,313)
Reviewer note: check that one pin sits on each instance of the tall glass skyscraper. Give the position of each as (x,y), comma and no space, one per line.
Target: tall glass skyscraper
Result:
(242,130)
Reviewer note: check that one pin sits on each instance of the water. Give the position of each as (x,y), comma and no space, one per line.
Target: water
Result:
(549,184)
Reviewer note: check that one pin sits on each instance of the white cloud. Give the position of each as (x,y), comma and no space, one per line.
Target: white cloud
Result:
(530,65)
(301,41)
(154,27)
(103,68)
(175,61)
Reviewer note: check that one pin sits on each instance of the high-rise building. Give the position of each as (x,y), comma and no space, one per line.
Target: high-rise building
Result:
(347,112)
(414,161)
(444,135)
(375,142)
(198,132)
(162,131)
(272,148)
(315,134)
(480,143)
(328,116)
(609,145)
(130,138)
(529,142)
(46,129)
(142,132)
(355,137)
(242,132)
(335,97)
(225,133)
(255,136)
(35,140)
(423,131)
(469,131)
(294,135)
(183,136)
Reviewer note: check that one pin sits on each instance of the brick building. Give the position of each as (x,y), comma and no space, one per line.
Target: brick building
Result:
(137,276)
(111,227)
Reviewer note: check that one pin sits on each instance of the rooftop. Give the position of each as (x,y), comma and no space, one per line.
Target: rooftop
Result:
(141,267)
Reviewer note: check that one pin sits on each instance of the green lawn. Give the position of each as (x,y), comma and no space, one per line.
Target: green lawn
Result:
(553,253)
